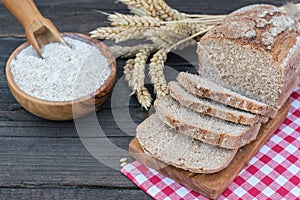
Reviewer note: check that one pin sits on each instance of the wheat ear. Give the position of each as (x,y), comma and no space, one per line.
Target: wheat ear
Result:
(129,51)
(121,20)
(143,95)
(165,12)
(156,72)
(187,27)
(138,75)
(128,68)
(141,7)
(106,32)
(154,8)
(119,34)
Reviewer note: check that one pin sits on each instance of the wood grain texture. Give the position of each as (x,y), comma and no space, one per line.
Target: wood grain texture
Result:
(72,193)
(58,162)
(212,185)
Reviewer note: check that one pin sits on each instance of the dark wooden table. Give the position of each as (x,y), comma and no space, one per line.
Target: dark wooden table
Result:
(41,159)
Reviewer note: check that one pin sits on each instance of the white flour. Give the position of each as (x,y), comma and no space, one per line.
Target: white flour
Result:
(63,74)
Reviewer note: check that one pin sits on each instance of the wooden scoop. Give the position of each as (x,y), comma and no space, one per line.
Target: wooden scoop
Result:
(39,30)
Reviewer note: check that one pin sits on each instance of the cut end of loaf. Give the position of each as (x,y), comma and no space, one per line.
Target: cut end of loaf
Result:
(242,69)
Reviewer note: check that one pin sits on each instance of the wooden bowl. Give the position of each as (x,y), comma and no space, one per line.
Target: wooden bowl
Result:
(64,110)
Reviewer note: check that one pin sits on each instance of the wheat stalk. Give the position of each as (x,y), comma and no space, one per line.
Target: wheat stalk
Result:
(138,73)
(127,21)
(186,27)
(138,76)
(156,72)
(153,8)
(119,34)
(205,16)
(128,68)
(165,12)
(141,7)
(132,33)
(174,32)
(130,51)
(143,95)
(164,38)
(106,32)
(203,22)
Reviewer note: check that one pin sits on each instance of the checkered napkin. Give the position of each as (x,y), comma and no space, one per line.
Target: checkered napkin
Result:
(274,172)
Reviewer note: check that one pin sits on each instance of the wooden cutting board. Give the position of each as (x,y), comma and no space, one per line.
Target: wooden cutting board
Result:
(213,185)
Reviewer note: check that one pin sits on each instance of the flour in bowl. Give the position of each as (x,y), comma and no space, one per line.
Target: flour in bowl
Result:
(65,73)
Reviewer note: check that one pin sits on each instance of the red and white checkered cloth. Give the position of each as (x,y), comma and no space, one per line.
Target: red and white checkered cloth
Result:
(274,172)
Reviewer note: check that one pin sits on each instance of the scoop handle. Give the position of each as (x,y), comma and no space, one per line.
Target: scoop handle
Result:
(39,30)
(26,13)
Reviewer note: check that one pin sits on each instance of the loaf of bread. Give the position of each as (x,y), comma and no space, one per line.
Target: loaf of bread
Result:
(204,88)
(255,52)
(212,108)
(172,147)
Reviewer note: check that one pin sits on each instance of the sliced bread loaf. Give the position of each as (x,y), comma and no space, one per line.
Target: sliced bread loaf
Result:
(204,88)
(172,147)
(205,128)
(212,108)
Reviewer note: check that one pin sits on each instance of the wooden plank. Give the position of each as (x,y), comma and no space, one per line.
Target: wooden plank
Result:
(216,6)
(110,130)
(71,194)
(16,122)
(68,16)
(212,185)
(59,162)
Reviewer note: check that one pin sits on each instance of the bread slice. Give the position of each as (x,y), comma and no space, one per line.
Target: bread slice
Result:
(212,108)
(205,128)
(181,151)
(204,88)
